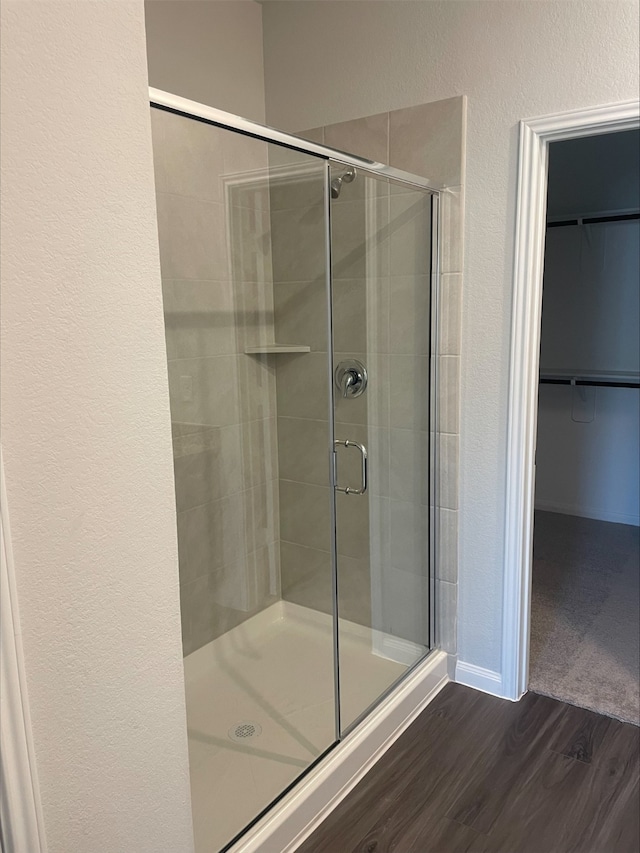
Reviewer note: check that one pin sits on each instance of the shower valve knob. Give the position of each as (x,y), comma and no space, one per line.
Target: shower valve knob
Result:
(351,378)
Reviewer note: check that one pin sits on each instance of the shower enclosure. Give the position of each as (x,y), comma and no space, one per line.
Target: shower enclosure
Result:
(298,288)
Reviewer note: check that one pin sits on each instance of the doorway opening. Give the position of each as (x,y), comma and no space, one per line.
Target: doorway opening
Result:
(585,640)
(536,136)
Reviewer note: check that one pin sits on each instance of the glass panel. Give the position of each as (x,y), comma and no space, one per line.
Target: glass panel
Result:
(242,247)
(381,255)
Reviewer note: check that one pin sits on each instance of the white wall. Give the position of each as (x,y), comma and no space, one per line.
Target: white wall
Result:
(591,299)
(208,51)
(587,467)
(588,450)
(332,61)
(86,430)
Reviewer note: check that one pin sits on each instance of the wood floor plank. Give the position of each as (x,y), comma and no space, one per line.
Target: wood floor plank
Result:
(438,782)
(580,733)
(612,800)
(476,774)
(442,835)
(539,813)
(516,748)
(381,789)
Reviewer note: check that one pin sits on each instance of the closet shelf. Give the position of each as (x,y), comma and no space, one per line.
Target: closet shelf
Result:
(270,349)
(606,378)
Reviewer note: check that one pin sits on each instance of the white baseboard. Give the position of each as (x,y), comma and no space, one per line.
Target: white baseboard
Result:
(295,817)
(480,678)
(588,512)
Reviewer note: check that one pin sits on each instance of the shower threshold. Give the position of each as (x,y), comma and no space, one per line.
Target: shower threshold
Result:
(260,710)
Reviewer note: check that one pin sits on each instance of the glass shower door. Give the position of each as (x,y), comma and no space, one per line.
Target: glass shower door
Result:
(381,270)
(242,237)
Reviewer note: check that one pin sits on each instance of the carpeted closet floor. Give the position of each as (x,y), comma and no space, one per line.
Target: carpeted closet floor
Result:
(585,619)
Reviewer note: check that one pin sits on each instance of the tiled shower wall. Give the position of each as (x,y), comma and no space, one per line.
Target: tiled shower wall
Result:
(215,253)
(243,264)
(427,140)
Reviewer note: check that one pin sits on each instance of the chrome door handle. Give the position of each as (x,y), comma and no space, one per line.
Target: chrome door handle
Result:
(365,468)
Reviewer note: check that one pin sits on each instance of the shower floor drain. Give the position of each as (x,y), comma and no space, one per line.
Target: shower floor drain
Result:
(244,731)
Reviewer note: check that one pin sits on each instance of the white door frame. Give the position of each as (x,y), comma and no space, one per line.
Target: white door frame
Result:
(535,136)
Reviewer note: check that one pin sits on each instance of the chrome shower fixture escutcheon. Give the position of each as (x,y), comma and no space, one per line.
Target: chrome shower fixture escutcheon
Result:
(351,378)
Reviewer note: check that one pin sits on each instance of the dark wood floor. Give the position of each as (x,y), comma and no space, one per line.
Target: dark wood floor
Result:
(476,773)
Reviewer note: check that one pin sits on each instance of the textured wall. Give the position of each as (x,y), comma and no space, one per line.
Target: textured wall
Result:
(215,255)
(86,431)
(208,51)
(512,60)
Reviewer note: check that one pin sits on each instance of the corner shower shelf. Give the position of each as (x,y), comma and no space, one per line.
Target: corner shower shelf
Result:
(268,349)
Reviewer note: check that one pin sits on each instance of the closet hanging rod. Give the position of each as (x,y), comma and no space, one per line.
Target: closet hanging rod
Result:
(600,383)
(594,220)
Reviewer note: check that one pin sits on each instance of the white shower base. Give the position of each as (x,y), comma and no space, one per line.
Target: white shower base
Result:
(275,671)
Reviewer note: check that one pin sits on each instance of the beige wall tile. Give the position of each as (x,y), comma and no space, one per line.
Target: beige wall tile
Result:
(447,616)
(304,514)
(214,534)
(259,451)
(448,393)
(302,385)
(352,525)
(204,390)
(203,619)
(405,605)
(262,517)
(410,537)
(192,238)
(223,402)
(410,234)
(409,314)
(409,466)
(301,311)
(378,298)
(246,170)
(211,474)
(250,236)
(354,590)
(452,216)
(350,314)
(449,471)
(427,140)
(298,186)
(193,157)
(409,391)
(303,450)
(264,571)
(253,313)
(306,576)
(379,530)
(447,545)
(450,313)
(256,387)
(199,318)
(348,243)
(298,244)
(367,137)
